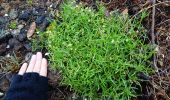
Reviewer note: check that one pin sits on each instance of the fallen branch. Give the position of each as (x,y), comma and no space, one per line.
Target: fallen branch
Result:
(153,34)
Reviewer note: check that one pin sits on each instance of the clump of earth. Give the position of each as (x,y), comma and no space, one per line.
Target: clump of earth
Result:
(19,22)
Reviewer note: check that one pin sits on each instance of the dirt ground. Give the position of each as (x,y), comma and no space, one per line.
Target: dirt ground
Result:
(15,47)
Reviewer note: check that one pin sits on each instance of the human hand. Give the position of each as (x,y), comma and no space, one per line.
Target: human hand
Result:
(37,64)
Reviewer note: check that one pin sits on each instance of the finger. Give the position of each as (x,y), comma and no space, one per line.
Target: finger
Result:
(43,71)
(23,69)
(37,65)
(31,64)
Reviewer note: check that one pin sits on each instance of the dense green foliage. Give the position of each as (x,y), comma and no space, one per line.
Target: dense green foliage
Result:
(97,56)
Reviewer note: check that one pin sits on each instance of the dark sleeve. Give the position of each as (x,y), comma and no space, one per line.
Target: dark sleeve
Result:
(30,86)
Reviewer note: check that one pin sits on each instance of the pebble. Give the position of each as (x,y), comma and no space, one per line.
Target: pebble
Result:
(1,94)
(14,44)
(20,26)
(28,56)
(3,48)
(13,14)
(48,3)
(45,24)
(15,32)
(25,15)
(40,20)
(4,33)
(22,35)
(28,46)
(6,6)
(6,15)
(34,12)
(7,46)
(3,20)
(38,11)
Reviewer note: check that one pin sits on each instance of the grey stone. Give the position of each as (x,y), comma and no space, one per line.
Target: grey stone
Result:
(25,15)
(3,22)
(28,56)
(14,44)
(4,33)
(15,32)
(1,94)
(48,3)
(20,26)
(22,35)
(28,46)
(13,14)
(3,48)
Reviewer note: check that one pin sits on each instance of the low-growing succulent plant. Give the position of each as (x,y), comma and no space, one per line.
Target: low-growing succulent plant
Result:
(98,56)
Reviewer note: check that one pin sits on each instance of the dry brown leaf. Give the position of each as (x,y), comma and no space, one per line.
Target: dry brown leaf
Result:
(125,12)
(31,30)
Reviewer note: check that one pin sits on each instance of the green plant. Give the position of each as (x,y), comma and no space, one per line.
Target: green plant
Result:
(38,43)
(13,25)
(98,56)
(30,2)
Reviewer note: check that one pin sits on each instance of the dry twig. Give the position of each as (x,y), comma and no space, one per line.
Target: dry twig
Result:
(150,7)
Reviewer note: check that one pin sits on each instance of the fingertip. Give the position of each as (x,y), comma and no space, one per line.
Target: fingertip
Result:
(43,71)
(23,69)
(39,54)
(44,60)
(37,66)
(31,64)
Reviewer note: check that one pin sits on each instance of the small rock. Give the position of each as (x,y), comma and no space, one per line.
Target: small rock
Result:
(4,33)
(3,21)
(3,48)
(48,3)
(28,56)
(55,5)
(22,35)
(38,11)
(14,44)
(15,32)
(28,46)
(45,24)
(34,12)
(25,15)
(40,20)
(20,26)
(8,55)
(31,30)
(6,6)
(6,15)
(13,14)
(1,94)
(7,46)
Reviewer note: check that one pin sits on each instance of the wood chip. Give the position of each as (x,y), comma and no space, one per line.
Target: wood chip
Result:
(31,30)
